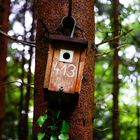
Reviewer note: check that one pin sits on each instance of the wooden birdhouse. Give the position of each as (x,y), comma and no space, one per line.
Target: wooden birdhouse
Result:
(65,63)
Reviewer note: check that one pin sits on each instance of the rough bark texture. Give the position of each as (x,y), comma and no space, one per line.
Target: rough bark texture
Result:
(4,14)
(115,117)
(51,13)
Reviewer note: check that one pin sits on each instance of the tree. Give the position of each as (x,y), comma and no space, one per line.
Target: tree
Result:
(137,109)
(115,111)
(4,24)
(81,117)
(25,101)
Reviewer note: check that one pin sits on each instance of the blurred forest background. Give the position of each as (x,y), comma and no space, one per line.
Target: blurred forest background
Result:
(16,102)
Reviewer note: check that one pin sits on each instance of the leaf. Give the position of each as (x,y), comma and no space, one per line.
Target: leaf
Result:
(63,137)
(56,114)
(53,138)
(65,127)
(42,119)
(52,127)
(40,136)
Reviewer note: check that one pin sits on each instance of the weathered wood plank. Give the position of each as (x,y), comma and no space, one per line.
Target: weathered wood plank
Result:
(48,66)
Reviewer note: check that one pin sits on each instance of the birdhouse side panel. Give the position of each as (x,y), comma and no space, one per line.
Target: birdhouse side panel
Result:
(80,70)
(48,66)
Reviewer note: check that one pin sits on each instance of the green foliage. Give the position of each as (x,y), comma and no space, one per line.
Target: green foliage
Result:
(40,136)
(53,138)
(128,68)
(42,119)
(63,137)
(65,127)
(57,127)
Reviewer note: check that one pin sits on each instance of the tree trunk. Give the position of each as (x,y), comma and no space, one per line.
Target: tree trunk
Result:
(4,24)
(51,15)
(23,114)
(115,44)
(21,102)
(137,107)
(23,122)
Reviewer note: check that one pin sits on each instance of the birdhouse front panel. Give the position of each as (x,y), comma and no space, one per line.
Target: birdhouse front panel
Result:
(65,64)
(64,68)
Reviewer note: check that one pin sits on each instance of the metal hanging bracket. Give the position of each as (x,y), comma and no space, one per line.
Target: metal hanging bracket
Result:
(68,23)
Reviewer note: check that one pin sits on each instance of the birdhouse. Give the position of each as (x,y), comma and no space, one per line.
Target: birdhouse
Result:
(65,64)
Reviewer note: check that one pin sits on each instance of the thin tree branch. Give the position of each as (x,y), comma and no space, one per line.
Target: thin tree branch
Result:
(105,53)
(32,44)
(114,38)
(101,130)
(11,82)
(107,108)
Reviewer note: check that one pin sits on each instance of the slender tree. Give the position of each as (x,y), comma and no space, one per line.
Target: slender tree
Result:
(29,79)
(24,100)
(21,102)
(115,44)
(137,106)
(23,114)
(50,15)
(4,24)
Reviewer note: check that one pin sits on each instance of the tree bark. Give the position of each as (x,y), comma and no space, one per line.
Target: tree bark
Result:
(51,14)
(137,107)
(4,24)
(115,44)
(23,116)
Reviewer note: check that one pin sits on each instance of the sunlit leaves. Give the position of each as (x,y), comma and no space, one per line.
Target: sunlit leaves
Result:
(65,127)
(53,138)
(42,119)
(63,137)
(40,136)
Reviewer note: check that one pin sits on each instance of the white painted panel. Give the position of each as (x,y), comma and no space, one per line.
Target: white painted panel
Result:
(66,55)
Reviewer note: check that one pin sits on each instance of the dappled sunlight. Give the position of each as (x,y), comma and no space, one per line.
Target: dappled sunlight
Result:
(130,52)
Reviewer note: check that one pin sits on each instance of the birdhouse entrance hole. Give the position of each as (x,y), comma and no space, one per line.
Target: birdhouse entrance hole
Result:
(66,55)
